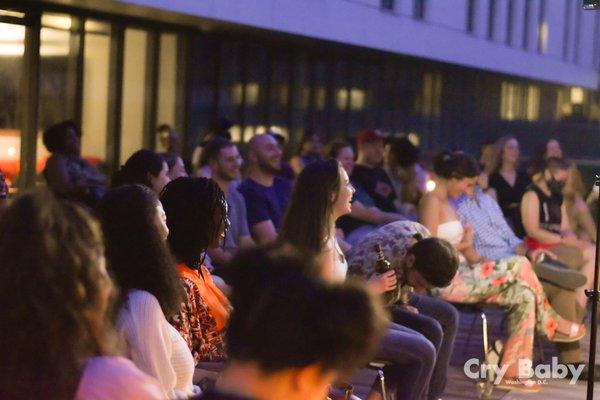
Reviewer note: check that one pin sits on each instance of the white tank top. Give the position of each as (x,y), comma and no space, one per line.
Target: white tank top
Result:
(453,232)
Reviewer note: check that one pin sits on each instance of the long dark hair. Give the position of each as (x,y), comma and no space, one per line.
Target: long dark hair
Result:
(136,255)
(52,295)
(196,212)
(137,167)
(279,309)
(309,214)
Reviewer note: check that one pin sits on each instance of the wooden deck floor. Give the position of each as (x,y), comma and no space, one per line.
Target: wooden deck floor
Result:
(462,388)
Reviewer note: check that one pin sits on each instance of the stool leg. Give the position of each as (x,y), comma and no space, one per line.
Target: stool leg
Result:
(469,334)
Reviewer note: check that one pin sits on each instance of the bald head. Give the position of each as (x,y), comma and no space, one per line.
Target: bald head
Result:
(264,153)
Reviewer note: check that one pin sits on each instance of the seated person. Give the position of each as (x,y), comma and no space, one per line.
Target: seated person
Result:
(175,164)
(56,339)
(197,220)
(66,173)
(278,346)
(578,211)
(144,167)
(135,233)
(510,282)
(265,193)
(509,181)
(411,353)
(310,149)
(225,161)
(547,224)
(493,239)
(422,264)
(365,216)
(368,171)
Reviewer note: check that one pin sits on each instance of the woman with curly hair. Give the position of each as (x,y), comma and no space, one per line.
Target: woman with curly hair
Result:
(55,293)
(135,232)
(197,219)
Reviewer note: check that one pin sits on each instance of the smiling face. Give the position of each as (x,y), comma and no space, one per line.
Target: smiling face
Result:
(553,149)
(160,221)
(266,154)
(159,182)
(342,204)
(227,165)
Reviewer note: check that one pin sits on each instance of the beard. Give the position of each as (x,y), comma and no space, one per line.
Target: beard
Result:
(267,167)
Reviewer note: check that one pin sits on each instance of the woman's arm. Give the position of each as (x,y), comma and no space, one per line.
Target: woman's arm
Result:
(530,212)
(372,215)
(429,214)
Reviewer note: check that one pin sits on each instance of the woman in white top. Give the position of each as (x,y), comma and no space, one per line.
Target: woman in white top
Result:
(135,231)
(510,282)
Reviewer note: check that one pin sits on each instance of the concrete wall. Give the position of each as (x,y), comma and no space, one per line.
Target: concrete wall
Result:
(440,36)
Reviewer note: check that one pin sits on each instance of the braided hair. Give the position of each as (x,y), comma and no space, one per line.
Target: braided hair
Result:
(196,215)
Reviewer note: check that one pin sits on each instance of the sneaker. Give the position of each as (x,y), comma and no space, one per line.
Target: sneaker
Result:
(557,273)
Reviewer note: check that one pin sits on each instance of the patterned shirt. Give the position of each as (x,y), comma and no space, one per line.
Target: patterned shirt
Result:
(198,326)
(394,238)
(492,237)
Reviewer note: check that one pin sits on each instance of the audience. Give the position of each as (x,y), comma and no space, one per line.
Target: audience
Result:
(368,171)
(364,216)
(509,181)
(421,264)
(66,173)
(278,346)
(287,172)
(409,179)
(197,220)
(175,164)
(168,140)
(221,129)
(55,293)
(225,162)
(487,164)
(547,224)
(144,167)
(138,258)
(309,224)
(309,150)
(266,194)
(493,239)
(508,282)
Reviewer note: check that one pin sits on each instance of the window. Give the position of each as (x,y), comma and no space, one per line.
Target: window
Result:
(526,17)
(134,86)
(509,21)
(167,84)
(94,122)
(471,16)
(419,9)
(387,4)
(519,102)
(542,44)
(491,18)
(12,46)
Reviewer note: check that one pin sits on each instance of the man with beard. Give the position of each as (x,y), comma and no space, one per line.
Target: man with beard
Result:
(266,194)
(224,160)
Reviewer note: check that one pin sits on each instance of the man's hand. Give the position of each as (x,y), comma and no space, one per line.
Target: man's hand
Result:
(381,283)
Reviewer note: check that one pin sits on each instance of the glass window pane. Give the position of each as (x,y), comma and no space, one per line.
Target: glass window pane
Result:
(95,93)
(58,75)
(167,83)
(11,64)
(134,82)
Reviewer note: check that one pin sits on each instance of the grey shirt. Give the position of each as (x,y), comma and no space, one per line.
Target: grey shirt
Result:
(238,219)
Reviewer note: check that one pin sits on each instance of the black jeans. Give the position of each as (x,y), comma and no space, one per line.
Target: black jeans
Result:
(438,322)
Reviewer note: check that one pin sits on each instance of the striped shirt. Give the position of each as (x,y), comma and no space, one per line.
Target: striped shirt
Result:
(492,237)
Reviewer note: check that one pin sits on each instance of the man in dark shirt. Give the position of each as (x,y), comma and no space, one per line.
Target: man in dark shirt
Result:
(368,172)
(266,194)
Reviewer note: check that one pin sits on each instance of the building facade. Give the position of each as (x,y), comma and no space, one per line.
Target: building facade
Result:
(449,73)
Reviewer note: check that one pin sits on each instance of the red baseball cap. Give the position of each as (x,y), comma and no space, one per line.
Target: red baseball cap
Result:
(370,135)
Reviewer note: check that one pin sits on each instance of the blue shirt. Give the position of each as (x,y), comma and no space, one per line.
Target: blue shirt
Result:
(264,203)
(492,237)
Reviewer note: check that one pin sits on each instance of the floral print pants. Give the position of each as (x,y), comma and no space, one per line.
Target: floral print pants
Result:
(512,284)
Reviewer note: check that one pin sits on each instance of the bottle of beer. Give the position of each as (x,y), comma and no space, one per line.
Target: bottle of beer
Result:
(382,265)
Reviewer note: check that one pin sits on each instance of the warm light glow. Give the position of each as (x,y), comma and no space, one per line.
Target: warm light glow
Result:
(414,138)
(236,133)
(252,94)
(576,95)
(357,99)
(56,21)
(430,185)
(543,36)
(11,151)
(342,99)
